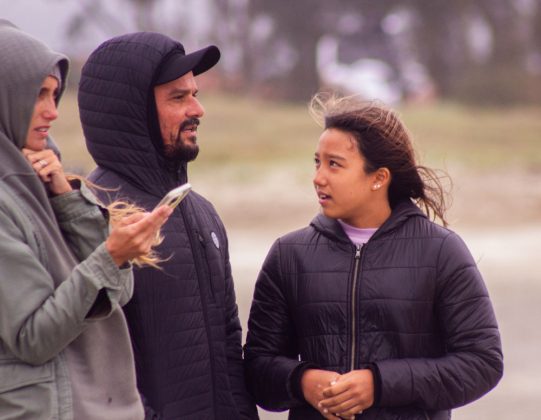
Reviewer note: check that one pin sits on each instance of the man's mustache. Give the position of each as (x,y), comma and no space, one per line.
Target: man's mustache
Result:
(183,125)
(188,122)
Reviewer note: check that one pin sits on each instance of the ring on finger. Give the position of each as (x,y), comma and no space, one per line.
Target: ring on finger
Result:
(43,163)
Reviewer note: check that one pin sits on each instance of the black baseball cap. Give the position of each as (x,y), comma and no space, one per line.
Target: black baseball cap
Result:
(177,63)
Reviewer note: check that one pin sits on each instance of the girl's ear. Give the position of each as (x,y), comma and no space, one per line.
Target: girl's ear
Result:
(382,178)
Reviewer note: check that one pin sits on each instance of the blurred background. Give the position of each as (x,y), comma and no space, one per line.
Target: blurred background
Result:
(464,75)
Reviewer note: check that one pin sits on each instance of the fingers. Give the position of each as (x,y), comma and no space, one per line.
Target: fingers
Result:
(49,168)
(151,222)
(144,227)
(131,219)
(350,394)
(336,387)
(331,416)
(42,158)
(339,404)
(345,409)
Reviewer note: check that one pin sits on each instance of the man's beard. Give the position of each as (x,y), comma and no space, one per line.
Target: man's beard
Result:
(176,150)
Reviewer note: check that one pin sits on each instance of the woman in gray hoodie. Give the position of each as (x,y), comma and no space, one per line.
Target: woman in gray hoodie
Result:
(65,352)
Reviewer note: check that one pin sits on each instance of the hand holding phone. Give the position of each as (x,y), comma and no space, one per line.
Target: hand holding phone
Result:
(175,196)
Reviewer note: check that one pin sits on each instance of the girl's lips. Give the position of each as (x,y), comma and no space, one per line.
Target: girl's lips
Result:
(323,198)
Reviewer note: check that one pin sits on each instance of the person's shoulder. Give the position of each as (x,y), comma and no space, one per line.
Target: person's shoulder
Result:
(424,227)
(300,236)
(201,202)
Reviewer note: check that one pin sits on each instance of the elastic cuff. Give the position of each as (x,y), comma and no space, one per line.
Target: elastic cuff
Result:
(296,377)
(377,383)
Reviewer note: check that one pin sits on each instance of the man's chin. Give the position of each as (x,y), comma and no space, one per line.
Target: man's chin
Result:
(181,153)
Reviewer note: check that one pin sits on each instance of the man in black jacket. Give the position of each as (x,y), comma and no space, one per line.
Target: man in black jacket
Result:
(140,113)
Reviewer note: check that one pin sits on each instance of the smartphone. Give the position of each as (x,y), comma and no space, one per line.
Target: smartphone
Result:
(175,196)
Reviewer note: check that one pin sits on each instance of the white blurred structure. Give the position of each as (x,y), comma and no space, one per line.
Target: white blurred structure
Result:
(370,78)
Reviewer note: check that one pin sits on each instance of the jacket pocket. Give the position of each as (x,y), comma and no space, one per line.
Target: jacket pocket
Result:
(27,391)
(16,374)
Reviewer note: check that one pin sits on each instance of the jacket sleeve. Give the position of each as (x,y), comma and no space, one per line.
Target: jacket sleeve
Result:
(82,222)
(473,361)
(270,351)
(37,320)
(84,225)
(235,364)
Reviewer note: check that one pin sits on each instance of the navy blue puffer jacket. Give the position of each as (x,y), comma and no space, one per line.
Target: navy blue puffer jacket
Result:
(183,319)
(410,304)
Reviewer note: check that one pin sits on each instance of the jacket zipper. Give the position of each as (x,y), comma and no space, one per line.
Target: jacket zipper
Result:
(197,263)
(358,249)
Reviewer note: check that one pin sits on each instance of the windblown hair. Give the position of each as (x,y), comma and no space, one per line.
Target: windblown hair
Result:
(384,142)
(120,209)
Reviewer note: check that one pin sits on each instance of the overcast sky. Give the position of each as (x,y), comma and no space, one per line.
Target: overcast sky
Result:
(48,20)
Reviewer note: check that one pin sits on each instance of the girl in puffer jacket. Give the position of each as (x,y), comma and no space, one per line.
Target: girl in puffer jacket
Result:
(373,311)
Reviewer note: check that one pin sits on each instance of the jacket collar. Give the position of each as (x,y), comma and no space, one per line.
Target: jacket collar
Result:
(400,213)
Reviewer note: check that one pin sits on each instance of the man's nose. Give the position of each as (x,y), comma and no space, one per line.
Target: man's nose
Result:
(196,109)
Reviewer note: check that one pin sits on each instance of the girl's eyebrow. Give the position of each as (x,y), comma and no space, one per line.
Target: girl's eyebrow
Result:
(335,157)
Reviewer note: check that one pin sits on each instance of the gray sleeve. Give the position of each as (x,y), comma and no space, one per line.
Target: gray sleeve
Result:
(82,221)
(84,224)
(38,321)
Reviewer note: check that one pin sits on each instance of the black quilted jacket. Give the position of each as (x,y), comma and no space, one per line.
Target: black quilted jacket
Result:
(412,294)
(183,319)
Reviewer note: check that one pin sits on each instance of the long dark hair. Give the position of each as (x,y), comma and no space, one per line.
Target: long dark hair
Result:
(384,142)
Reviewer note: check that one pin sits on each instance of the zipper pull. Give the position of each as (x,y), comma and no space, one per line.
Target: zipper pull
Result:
(358,251)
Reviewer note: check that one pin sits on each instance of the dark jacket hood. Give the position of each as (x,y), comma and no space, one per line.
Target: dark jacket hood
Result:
(400,213)
(118,115)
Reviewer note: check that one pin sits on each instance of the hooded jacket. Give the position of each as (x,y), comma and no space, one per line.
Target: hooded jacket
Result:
(410,305)
(183,317)
(64,353)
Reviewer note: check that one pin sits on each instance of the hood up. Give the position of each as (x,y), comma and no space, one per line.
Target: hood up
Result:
(25,63)
(118,115)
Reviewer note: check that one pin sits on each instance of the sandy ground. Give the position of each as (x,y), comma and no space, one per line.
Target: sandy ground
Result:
(499,217)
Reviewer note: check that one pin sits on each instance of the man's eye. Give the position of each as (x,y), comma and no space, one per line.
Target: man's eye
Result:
(333,163)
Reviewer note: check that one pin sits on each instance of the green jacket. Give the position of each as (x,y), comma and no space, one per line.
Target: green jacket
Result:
(39,318)
(65,351)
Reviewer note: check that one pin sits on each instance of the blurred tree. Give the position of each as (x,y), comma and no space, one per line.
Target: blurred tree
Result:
(91,13)
(296,29)
(439,42)
(95,13)
(292,42)
(231,30)
(466,46)
(475,50)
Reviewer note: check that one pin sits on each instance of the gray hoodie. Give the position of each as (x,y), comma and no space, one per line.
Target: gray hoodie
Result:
(65,352)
